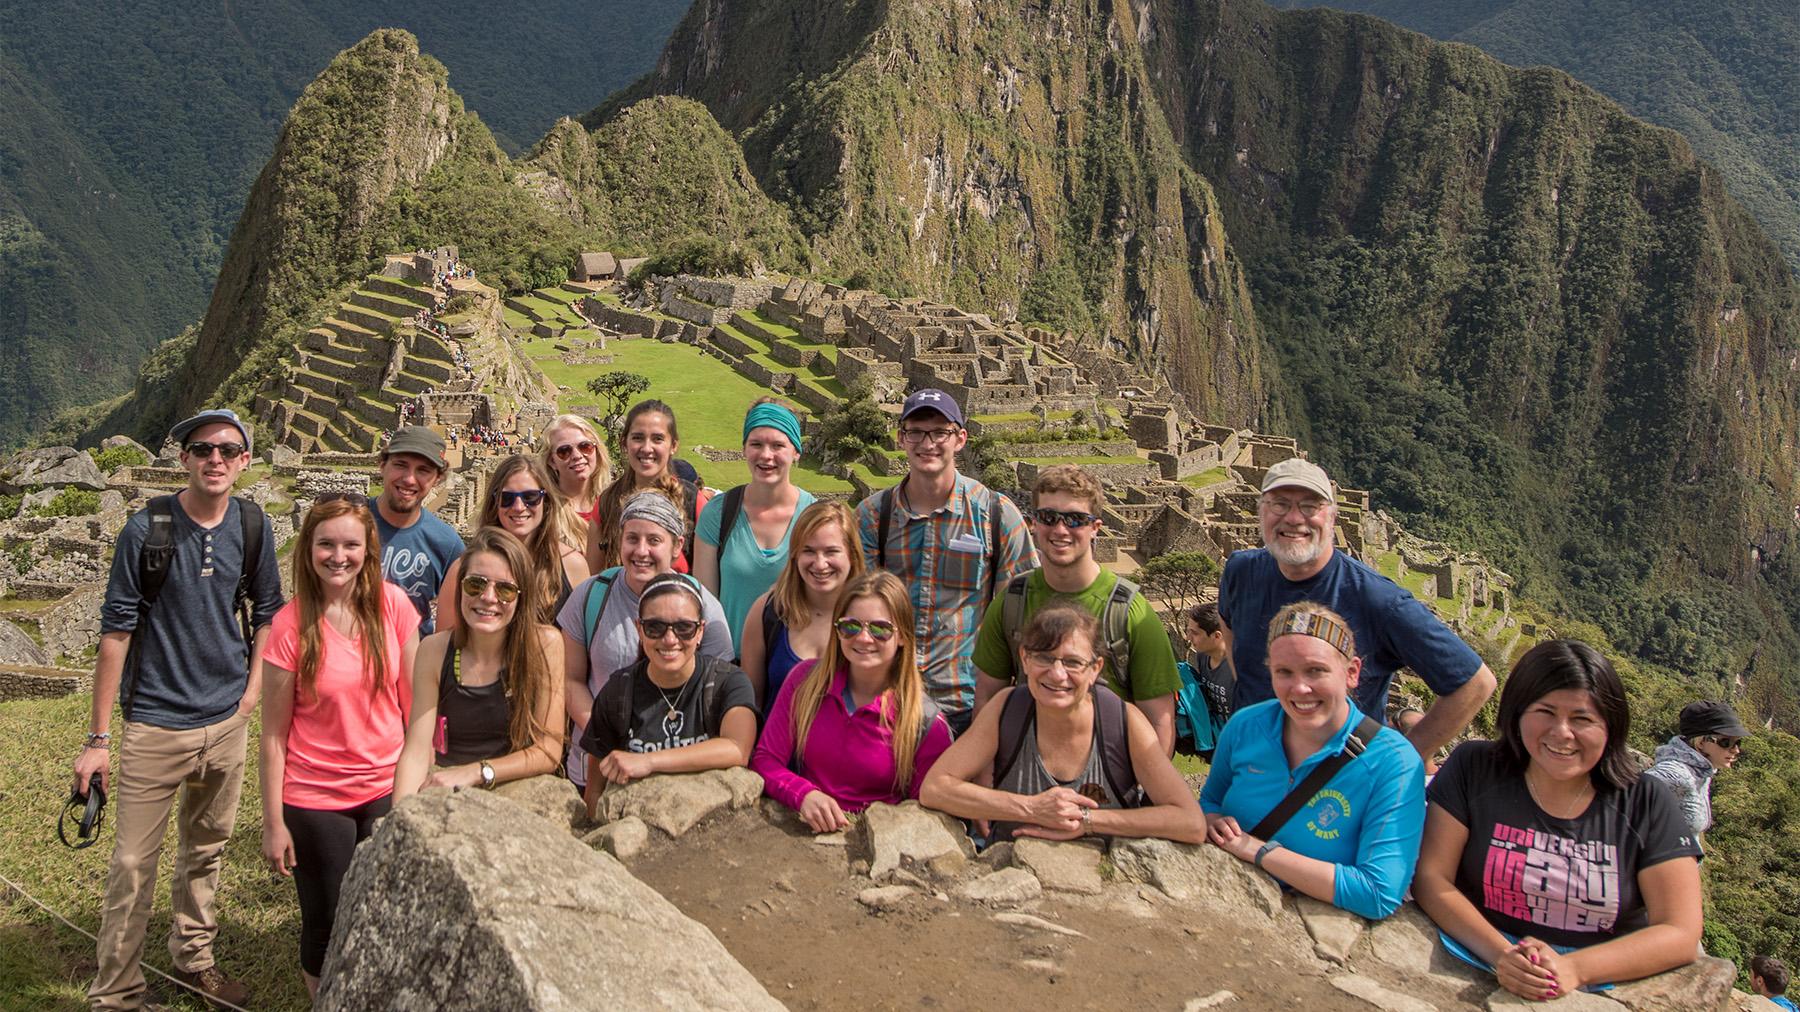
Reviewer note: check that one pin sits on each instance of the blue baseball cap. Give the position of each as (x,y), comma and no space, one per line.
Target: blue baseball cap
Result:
(182,429)
(930,399)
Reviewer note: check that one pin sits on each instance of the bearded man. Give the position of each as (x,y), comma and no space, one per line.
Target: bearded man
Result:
(1299,561)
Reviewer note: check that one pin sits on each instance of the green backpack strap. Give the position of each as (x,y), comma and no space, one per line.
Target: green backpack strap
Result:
(1115,626)
(599,589)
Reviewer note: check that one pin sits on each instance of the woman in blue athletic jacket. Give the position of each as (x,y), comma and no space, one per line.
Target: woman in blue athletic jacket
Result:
(1353,840)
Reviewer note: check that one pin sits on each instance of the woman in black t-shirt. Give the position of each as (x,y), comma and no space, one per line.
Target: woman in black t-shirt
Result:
(1545,857)
(670,712)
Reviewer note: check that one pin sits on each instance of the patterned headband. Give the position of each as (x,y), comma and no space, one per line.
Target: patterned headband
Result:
(1311,623)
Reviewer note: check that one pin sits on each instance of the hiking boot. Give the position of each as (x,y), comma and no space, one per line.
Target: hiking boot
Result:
(214,984)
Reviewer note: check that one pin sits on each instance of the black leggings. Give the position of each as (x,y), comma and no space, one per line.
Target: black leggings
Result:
(323,845)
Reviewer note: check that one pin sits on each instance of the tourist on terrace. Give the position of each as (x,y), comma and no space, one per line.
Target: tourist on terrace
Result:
(1066,756)
(576,455)
(954,541)
(1207,681)
(599,622)
(1299,562)
(1309,788)
(741,540)
(859,729)
(417,547)
(1711,739)
(337,685)
(1769,978)
(522,500)
(670,711)
(485,694)
(1133,646)
(649,449)
(791,622)
(1547,859)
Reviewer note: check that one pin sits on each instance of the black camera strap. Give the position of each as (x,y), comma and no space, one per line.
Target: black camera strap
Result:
(93,813)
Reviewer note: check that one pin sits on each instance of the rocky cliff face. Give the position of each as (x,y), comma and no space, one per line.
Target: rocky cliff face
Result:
(1012,159)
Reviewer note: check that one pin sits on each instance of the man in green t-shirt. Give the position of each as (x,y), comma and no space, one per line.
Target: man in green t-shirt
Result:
(1065,519)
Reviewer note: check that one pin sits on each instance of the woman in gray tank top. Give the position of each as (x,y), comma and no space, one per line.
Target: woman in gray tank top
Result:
(1068,757)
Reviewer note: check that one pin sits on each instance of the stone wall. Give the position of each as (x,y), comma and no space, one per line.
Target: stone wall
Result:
(21,682)
(1123,473)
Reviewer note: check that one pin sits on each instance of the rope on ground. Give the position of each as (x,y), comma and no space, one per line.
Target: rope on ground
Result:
(46,908)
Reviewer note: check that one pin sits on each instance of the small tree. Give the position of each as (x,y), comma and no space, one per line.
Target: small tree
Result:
(1181,578)
(616,390)
(850,427)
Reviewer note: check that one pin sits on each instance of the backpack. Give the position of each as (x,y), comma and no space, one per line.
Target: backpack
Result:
(886,508)
(1018,718)
(1115,622)
(599,592)
(710,670)
(734,504)
(158,554)
(769,620)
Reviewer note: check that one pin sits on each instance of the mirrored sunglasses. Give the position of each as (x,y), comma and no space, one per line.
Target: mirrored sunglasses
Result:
(1072,519)
(880,631)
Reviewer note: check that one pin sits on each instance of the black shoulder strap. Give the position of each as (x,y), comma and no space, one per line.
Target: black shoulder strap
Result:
(1321,775)
(711,672)
(619,708)
(1016,719)
(885,508)
(728,514)
(252,516)
(769,621)
(1111,724)
(154,560)
(996,547)
(690,504)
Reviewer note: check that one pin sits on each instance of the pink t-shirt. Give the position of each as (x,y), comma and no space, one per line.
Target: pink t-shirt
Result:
(849,755)
(342,745)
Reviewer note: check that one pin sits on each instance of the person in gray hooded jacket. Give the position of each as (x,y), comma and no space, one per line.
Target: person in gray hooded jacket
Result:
(1709,740)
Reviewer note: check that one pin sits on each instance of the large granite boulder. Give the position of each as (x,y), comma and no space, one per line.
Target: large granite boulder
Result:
(466,900)
(677,802)
(52,467)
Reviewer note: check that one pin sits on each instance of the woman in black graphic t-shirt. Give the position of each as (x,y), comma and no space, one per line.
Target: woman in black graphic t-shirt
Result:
(1545,856)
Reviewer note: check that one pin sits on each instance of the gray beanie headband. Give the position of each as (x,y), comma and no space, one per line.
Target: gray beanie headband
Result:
(656,508)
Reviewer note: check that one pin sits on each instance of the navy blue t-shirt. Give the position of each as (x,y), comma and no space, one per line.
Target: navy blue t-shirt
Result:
(1393,628)
(416,558)
(193,663)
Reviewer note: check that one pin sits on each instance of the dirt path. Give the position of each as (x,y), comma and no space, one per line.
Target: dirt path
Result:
(787,909)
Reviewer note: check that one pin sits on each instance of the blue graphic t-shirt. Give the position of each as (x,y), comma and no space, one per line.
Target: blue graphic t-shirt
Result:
(415,558)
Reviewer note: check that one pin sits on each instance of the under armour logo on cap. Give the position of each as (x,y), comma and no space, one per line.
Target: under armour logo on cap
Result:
(930,399)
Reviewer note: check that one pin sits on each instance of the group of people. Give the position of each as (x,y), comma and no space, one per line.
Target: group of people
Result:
(933,642)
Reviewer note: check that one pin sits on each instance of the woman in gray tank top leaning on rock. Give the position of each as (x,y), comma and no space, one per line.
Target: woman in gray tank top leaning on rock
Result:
(1068,757)
(486,695)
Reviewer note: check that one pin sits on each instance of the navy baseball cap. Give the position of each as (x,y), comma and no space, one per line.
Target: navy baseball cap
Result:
(930,399)
(179,434)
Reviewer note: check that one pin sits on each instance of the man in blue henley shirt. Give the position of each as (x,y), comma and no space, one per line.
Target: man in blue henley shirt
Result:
(417,546)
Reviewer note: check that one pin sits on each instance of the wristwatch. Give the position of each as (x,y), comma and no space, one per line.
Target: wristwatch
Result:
(1263,851)
(487,776)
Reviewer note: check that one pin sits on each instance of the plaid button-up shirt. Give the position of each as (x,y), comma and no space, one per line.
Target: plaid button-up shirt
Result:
(948,563)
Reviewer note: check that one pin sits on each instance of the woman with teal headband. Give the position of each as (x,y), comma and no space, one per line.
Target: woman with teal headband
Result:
(738,561)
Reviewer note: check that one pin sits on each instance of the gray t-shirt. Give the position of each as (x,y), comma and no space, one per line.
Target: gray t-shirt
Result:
(193,663)
(665,718)
(614,644)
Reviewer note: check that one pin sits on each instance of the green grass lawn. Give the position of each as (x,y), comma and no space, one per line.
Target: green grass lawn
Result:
(44,964)
(780,330)
(708,396)
(1207,477)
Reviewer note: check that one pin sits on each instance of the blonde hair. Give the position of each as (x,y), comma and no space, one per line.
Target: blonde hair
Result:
(789,592)
(571,525)
(545,544)
(904,715)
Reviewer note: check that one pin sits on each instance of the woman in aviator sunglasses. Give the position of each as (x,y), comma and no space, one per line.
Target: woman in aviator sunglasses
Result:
(523,500)
(858,728)
(576,456)
(486,695)
(672,711)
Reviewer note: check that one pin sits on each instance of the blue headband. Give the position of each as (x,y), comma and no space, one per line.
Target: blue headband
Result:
(770,415)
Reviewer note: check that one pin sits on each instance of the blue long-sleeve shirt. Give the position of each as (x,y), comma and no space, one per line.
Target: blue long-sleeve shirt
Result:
(1366,820)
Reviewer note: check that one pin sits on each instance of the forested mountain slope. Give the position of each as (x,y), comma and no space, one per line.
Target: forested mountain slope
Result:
(1727,76)
(130,134)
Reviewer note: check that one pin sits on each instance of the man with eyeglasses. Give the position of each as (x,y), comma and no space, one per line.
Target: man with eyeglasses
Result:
(1711,738)
(417,546)
(181,639)
(1065,504)
(951,539)
(1299,561)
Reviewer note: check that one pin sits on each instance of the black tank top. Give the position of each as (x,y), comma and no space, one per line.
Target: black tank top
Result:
(475,717)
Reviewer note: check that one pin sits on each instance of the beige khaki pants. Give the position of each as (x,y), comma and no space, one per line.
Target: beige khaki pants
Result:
(206,765)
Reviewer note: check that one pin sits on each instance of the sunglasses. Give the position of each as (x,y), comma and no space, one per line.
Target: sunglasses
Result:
(1723,742)
(567,450)
(879,631)
(1071,519)
(475,586)
(532,497)
(656,628)
(203,450)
